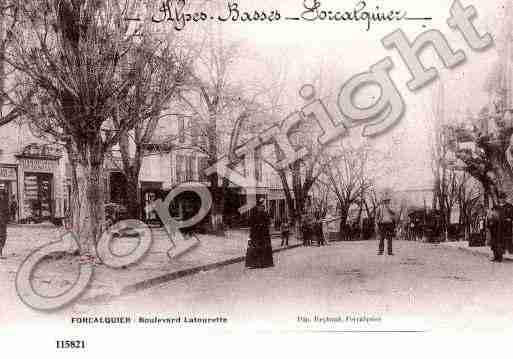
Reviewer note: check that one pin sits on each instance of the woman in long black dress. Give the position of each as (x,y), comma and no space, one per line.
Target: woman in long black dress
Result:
(260,252)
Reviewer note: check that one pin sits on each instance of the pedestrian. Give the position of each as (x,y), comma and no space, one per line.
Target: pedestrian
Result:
(285,233)
(386,220)
(500,222)
(259,253)
(4,218)
(13,209)
(325,227)
(307,231)
(481,226)
(319,233)
(411,233)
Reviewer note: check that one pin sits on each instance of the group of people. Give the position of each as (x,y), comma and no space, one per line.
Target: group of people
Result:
(259,253)
(498,220)
(312,230)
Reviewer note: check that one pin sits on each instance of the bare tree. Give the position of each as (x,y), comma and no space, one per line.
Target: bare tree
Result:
(445,185)
(469,197)
(347,179)
(222,106)
(320,199)
(8,85)
(299,178)
(490,160)
(150,102)
(74,56)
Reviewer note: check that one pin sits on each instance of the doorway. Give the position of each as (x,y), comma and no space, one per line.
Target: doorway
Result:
(6,186)
(38,201)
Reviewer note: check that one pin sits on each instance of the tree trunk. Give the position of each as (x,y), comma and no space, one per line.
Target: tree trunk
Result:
(216,213)
(131,171)
(88,199)
(343,222)
(218,192)
(133,198)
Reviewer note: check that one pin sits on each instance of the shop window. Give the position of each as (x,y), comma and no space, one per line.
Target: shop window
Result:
(38,197)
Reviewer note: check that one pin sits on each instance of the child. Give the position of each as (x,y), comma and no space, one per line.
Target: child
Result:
(285,233)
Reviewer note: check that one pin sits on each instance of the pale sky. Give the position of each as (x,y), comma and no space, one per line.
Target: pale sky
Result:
(345,49)
(351,50)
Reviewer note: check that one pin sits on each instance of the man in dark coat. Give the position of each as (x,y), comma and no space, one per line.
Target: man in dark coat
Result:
(13,208)
(307,230)
(319,233)
(500,222)
(260,252)
(4,218)
(385,222)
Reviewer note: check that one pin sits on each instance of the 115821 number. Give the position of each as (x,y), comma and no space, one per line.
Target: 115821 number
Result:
(70,344)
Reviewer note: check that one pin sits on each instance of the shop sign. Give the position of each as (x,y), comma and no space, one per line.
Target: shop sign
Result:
(7,174)
(38,165)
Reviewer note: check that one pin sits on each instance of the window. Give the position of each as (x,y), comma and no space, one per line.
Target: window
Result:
(195,131)
(181,129)
(180,168)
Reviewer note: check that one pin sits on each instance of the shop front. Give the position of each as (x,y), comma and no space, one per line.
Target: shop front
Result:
(39,181)
(38,199)
(150,192)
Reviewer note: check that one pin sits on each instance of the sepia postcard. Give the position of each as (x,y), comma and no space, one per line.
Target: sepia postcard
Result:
(249,178)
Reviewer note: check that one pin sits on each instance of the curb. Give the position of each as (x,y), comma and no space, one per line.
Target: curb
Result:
(479,253)
(168,277)
(470,251)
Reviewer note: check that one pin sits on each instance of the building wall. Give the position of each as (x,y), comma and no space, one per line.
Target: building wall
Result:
(22,173)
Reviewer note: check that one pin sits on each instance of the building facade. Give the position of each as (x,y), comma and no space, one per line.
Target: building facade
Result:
(33,174)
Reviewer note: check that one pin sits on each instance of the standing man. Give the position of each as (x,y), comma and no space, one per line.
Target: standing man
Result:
(500,222)
(4,218)
(307,231)
(319,233)
(13,208)
(385,223)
